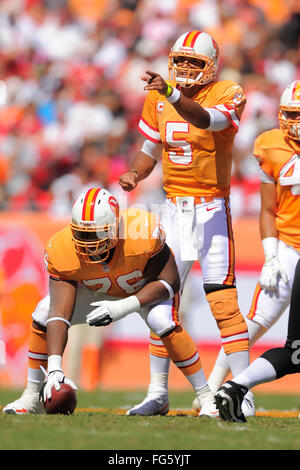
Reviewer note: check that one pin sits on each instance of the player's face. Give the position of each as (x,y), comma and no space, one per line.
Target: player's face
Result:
(293,115)
(188,66)
(94,246)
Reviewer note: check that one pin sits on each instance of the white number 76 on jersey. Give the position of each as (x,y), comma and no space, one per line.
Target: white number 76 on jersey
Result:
(124,281)
(290,175)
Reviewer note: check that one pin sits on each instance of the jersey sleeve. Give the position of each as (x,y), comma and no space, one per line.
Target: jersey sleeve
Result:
(261,155)
(158,236)
(231,102)
(148,125)
(59,259)
(50,266)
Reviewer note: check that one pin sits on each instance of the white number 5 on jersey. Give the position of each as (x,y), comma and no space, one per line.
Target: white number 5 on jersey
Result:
(182,153)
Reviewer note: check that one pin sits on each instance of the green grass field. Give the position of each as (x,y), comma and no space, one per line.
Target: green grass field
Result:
(99,423)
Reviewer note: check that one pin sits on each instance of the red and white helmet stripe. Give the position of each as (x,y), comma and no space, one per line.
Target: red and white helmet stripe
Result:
(194,45)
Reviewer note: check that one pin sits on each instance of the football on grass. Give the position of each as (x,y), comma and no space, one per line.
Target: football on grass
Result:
(62,401)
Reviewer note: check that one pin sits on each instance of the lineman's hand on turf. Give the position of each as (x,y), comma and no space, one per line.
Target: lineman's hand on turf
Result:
(54,379)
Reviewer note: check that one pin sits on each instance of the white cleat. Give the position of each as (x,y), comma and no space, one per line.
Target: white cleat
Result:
(151,406)
(207,408)
(28,403)
(248,405)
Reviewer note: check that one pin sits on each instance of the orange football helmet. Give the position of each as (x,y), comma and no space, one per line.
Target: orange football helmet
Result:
(194,45)
(95,222)
(289,108)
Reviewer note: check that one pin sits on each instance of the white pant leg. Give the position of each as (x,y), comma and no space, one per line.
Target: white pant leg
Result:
(267,307)
(217,257)
(170,221)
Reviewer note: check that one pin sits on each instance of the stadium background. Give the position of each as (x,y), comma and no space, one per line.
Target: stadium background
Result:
(73,100)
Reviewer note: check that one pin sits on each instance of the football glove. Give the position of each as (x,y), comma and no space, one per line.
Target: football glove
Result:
(271,272)
(99,316)
(54,379)
(108,311)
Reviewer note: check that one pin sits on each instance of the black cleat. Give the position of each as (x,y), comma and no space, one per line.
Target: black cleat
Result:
(228,400)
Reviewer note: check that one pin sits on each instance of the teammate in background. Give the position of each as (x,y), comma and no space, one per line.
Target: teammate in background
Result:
(103,267)
(271,365)
(190,122)
(278,154)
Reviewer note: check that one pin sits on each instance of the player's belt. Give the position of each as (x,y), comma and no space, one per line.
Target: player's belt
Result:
(197,200)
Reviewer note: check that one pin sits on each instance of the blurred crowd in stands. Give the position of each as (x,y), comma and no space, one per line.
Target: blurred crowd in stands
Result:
(74,96)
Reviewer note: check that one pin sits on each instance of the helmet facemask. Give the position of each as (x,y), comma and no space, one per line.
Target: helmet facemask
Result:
(93,243)
(95,225)
(200,76)
(288,122)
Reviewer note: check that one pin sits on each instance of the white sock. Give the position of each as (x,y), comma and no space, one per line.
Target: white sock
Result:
(260,371)
(34,387)
(159,374)
(222,368)
(35,376)
(197,380)
(238,361)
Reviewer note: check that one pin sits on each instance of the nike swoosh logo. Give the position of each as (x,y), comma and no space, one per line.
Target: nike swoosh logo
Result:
(211,208)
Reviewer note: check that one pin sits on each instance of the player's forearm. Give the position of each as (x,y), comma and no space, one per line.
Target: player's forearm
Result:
(269,234)
(156,292)
(63,296)
(57,337)
(192,112)
(142,165)
(267,224)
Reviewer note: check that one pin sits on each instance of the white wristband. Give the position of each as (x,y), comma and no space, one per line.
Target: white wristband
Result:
(168,287)
(54,362)
(270,246)
(175,96)
(59,319)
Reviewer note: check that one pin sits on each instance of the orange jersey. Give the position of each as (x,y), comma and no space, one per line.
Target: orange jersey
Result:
(279,157)
(141,238)
(195,162)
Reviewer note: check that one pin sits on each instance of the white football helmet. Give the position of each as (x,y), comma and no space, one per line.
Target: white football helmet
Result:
(290,103)
(194,45)
(95,222)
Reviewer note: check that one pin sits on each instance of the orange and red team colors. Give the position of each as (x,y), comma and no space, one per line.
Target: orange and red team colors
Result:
(198,163)
(195,162)
(122,277)
(279,158)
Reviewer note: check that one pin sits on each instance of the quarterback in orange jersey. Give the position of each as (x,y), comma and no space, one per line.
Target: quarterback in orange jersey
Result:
(190,123)
(102,269)
(278,154)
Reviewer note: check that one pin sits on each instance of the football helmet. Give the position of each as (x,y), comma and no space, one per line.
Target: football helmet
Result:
(95,222)
(289,107)
(194,45)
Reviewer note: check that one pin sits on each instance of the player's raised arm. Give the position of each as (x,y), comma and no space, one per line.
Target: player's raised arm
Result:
(191,111)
